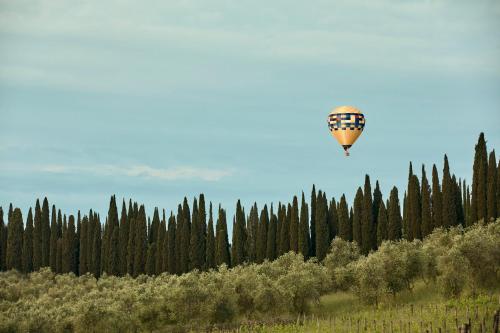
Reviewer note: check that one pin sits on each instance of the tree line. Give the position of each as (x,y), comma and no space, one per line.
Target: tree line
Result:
(192,238)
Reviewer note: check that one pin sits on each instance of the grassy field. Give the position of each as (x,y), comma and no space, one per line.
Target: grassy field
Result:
(423,310)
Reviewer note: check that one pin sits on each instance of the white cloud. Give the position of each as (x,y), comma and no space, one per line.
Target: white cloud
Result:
(169,174)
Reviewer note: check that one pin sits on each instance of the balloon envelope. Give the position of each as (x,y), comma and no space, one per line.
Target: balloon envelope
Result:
(346,123)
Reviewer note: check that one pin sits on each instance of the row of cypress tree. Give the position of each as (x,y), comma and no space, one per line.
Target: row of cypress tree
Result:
(131,243)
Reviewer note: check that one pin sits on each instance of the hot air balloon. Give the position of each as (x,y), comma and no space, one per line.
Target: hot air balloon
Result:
(346,123)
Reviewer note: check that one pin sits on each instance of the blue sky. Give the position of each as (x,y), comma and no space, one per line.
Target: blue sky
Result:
(156,100)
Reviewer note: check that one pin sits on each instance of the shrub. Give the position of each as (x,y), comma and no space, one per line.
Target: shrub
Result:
(453,270)
(369,284)
(341,254)
(482,250)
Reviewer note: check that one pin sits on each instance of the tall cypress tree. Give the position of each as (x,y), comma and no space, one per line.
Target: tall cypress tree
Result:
(280,216)
(161,248)
(313,222)
(59,247)
(198,234)
(210,250)
(91,229)
(404,225)
(322,233)
(271,247)
(285,229)
(171,235)
(178,240)
(463,188)
(414,209)
(479,179)
(72,231)
(90,238)
(262,235)
(491,198)
(123,243)
(239,237)
(332,220)
(304,240)
(131,221)
(165,247)
(394,220)
(96,248)
(367,241)
(202,223)
(345,226)
(140,242)
(329,223)
(69,246)
(45,233)
(195,261)
(377,198)
(294,226)
(407,210)
(27,259)
(459,210)
(15,241)
(279,213)
(112,260)
(77,243)
(449,209)
(221,240)
(382,225)
(252,233)
(426,206)
(289,209)
(37,237)
(105,247)
(114,256)
(155,224)
(83,264)
(407,233)
(53,239)
(357,217)
(468,209)
(185,237)
(132,224)
(437,200)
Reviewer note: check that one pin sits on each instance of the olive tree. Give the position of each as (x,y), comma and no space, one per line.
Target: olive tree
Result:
(369,283)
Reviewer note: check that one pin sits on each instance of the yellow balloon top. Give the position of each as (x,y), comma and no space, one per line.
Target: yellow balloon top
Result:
(345,109)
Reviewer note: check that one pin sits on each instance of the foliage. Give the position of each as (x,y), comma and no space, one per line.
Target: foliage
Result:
(473,260)
(369,283)
(45,302)
(457,259)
